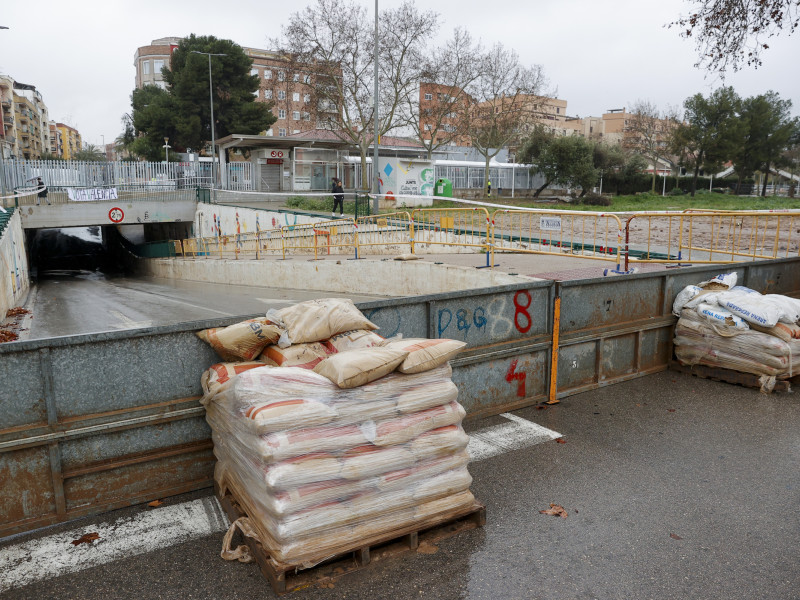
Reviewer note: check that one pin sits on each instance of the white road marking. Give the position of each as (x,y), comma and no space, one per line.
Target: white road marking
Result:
(150,530)
(519,433)
(128,323)
(159,528)
(275,300)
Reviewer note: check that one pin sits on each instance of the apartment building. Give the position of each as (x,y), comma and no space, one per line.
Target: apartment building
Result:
(32,122)
(56,148)
(282,82)
(9,142)
(70,141)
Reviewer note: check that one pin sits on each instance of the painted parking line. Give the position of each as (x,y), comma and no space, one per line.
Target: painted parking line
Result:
(55,555)
(519,433)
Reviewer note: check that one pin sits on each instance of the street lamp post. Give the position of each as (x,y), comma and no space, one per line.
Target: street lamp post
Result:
(375,173)
(166,149)
(211,100)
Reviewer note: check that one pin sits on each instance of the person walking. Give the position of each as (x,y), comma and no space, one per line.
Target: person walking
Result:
(338,197)
(42,192)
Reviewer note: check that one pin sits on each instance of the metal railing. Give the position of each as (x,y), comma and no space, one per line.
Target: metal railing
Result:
(385,231)
(692,236)
(711,237)
(454,227)
(587,235)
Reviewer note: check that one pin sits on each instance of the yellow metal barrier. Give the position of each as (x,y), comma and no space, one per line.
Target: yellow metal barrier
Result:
(460,227)
(389,230)
(712,237)
(586,234)
(323,237)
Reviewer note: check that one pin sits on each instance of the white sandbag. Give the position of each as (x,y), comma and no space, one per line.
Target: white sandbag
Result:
(789,307)
(426,396)
(218,377)
(723,281)
(353,340)
(321,319)
(407,427)
(305,356)
(751,307)
(686,294)
(289,414)
(439,442)
(369,460)
(721,317)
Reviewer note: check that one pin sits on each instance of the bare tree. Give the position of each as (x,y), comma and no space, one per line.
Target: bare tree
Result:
(336,39)
(731,33)
(507,99)
(647,132)
(433,109)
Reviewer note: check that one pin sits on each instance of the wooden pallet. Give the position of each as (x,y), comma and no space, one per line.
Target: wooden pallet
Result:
(286,578)
(728,376)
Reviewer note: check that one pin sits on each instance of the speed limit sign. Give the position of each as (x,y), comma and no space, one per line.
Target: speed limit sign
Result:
(116,215)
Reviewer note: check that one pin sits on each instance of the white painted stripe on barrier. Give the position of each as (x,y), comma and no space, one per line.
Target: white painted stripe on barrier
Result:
(150,530)
(158,528)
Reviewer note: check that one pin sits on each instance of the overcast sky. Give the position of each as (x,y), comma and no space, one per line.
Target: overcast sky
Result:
(598,55)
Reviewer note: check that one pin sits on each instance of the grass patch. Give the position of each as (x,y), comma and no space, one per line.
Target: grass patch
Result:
(324,204)
(649,202)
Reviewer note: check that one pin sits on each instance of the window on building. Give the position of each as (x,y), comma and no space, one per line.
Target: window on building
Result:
(282,132)
(306,78)
(296,77)
(267,73)
(295,131)
(296,115)
(281,95)
(428,96)
(158,64)
(268,94)
(306,98)
(146,67)
(253,71)
(255,93)
(306,116)
(296,96)
(281,75)
(282,113)
(162,84)
(558,110)
(427,126)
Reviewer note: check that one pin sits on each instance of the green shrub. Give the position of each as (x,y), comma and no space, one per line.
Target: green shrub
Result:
(592,199)
(676,192)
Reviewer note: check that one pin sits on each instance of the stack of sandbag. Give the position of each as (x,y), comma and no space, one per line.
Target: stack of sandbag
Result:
(733,327)
(355,441)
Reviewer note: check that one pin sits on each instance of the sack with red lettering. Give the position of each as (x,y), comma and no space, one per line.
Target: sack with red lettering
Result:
(353,368)
(353,340)
(407,427)
(305,356)
(218,377)
(241,341)
(321,319)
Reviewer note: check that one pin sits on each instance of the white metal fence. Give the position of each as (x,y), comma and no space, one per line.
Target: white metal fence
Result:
(72,173)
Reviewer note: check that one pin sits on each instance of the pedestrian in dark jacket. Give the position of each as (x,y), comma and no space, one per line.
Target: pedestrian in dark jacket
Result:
(42,192)
(338,197)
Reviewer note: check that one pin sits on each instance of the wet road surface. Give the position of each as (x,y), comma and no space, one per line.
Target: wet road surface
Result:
(74,302)
(675,487)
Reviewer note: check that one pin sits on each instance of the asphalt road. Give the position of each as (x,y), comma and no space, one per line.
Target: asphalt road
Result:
(73,302)
(675,487)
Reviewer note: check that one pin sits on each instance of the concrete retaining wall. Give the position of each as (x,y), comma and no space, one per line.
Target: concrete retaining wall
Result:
(376,277)
(14,260)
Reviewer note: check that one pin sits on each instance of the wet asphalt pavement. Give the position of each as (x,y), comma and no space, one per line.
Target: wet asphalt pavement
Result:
(675,487)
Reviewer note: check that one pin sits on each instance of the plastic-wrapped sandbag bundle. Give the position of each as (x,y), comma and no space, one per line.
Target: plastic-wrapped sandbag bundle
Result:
(343,454)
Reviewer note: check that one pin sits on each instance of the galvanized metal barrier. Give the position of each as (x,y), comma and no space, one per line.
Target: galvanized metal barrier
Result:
(394,230)
(584,234)
(95,422)
(339,236)
(460,227)
(711,237)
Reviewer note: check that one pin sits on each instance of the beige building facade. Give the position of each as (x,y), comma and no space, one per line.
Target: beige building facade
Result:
(281,82)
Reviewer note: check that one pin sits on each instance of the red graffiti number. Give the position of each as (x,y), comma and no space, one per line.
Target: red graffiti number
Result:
(512,375)
(522,309)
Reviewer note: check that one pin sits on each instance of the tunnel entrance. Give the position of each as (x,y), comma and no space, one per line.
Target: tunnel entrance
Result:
(54,252)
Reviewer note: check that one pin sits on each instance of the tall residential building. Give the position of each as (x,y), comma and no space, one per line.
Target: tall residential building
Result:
(70,140)
(283,83)
(9,142)
(30,114)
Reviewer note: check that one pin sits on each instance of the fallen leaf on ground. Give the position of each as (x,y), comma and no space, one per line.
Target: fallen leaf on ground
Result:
(155,503)
(555,510)
(86,538)
(327,585)
(670,410)
(15,312)
(675,536)
(427,548)
(561,440)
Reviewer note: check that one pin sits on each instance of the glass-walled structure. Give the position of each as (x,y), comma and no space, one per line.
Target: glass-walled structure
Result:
(471,175)
(314,168)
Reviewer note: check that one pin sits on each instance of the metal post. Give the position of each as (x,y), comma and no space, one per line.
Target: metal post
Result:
(375,188)
(213,134)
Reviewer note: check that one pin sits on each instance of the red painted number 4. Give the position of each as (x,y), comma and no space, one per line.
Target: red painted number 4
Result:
(512,375)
